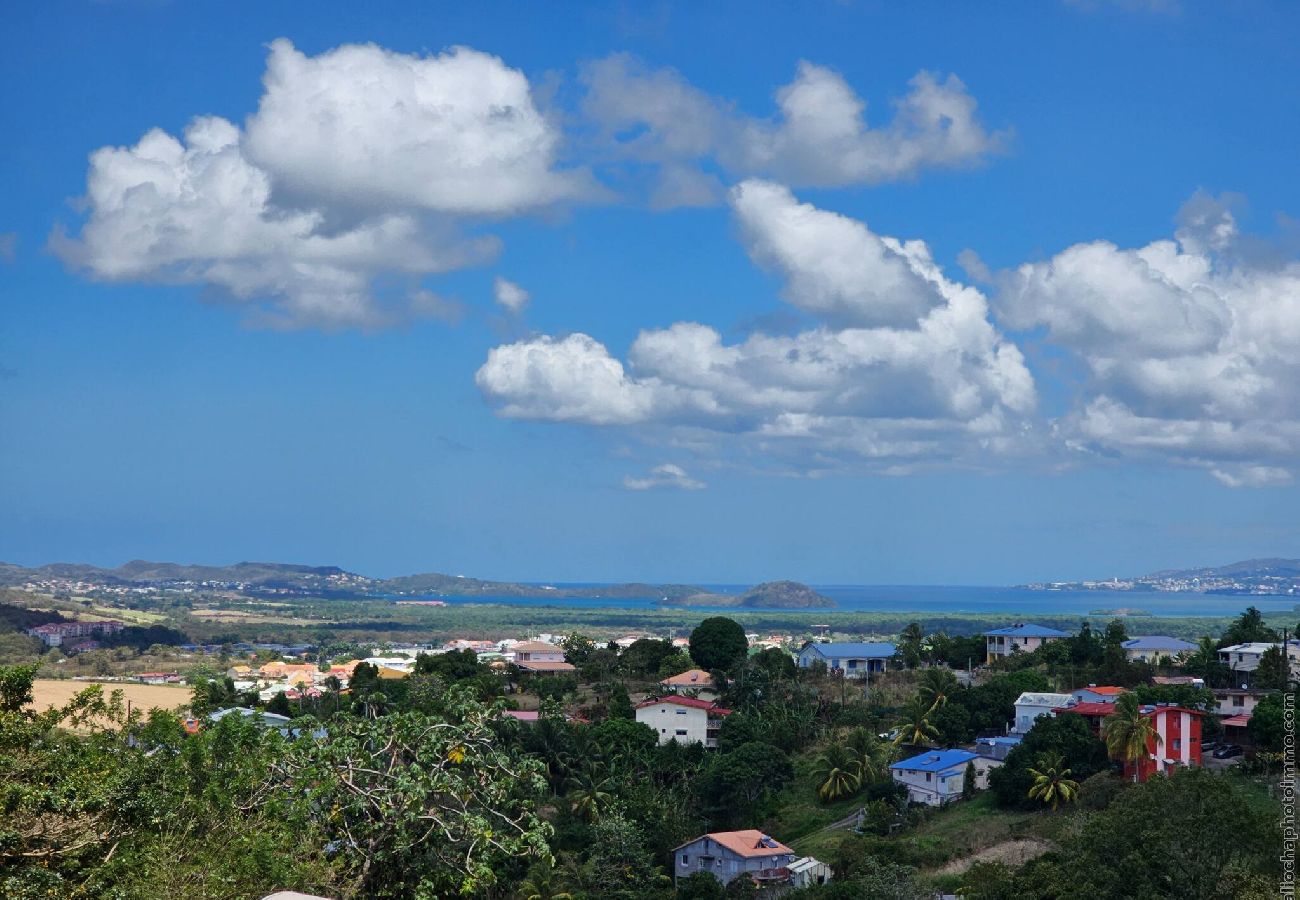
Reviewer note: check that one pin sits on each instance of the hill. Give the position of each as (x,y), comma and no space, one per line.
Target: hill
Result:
(769,595)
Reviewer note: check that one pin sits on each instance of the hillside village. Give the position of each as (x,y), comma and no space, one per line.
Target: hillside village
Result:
(801,763)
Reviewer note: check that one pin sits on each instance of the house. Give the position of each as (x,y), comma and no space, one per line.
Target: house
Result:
(55,633)
(687,720)
(937,777)
(538,656)
(1031,705)
(1244,658)
(158,678)
(854,660)
(523,715)
(727,855)
(691,683)
(1152,647)
(1097,694)
(997,747)
(1237,701)
(1022,637)
(1093,713)
(1180,741)
(807,871)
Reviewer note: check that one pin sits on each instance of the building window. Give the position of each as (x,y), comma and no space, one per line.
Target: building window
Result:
(1178,743)
(929,777)
(681,732)
(681,712)
(1238,700)
(686,859)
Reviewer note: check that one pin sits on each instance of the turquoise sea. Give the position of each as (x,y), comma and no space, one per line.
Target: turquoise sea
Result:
(1016,602)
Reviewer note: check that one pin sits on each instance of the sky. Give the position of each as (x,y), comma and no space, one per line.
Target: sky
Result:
(840,292)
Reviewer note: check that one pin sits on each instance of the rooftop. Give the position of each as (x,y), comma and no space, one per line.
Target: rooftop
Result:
(1158,642)
(1030,698)
(935,760)
(689,678)
(864,650)
(693,702)
(1089,709)
(1021,629)
(748,843)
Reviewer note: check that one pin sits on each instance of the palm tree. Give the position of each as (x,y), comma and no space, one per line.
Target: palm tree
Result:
(1128,732)
(1051,781)
(590,797)
(915,727)
(543,883)
(838,772)
(937,685)
(869,757)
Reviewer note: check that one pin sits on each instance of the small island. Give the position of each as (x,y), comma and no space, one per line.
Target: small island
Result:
(769,595)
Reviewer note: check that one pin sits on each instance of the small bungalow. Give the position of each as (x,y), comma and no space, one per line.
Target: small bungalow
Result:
(1153,647)
(855,660)
(1097,693)
(727,855)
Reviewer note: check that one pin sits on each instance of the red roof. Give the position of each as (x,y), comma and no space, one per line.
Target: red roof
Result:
(1105,690)
(693,702)
(1088,709)
(1237,721)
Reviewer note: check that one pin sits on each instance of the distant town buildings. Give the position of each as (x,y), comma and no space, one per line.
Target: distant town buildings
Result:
(55,633)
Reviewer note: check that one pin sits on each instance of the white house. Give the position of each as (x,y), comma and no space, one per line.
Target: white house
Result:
(1245,657)
(687,720)
(1022,637)
(1031,705)
(937,777)
(730,854)
(537,656)
(1237,701)
(1151,647)
(855,660)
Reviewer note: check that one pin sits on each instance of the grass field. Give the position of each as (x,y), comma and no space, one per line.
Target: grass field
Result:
(50,692)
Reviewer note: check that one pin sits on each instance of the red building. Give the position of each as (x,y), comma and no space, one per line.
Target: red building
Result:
(1179,729)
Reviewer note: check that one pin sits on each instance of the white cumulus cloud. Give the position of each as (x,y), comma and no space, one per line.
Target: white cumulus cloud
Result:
(819,137)
(359,174)
(905,381)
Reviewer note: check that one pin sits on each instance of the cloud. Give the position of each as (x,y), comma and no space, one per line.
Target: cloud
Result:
(1191,349)
(819,138)
(509,295)
(360,173)
(667,475)
(883,380)
(367,127)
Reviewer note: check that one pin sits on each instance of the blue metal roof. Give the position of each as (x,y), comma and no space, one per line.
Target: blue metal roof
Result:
(1010,739)
(1157,642)
(1029,631)
(936,760)
(855,651)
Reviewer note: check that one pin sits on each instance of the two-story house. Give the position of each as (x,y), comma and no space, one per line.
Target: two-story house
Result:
(1244,658)
(686,720)
(937,777)
(731,854)
(537,656)
(855,660)
(1021,637)
(1179,746)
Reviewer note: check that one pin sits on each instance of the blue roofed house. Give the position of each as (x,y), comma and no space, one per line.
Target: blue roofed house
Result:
(1026,638)
(936,777)
(1151,647)
(854,660)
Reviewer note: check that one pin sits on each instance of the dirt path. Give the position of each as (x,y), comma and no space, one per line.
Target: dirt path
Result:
(1011,853)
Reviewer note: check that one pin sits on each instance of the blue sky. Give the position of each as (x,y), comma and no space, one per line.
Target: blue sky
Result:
(284,333)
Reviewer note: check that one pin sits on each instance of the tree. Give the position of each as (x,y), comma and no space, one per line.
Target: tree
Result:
(915,727)
(969,777)
(734,784)
(937,685)
(837,773)
(700,886)
(620,704)
(1177,836)
(1085,649)
(909,644)
(1204,663)
(1266,722)
(869,756)
(644,656)
(590,797)
(455,665)
(1067,735)
(1128,732)
(1274,670)
(718,644)
(1052,783)
(16,687)
(1249,628)
(577,648)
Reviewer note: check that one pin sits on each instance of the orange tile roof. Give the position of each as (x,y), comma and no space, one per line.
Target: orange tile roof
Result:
(748,843)
(1105,690)
(690,678)
(536,647)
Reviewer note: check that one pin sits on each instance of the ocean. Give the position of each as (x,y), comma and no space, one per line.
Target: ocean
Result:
(940,599)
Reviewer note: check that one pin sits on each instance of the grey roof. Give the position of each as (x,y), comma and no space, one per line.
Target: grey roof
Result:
(1030,630)
(854,651)
(1158,642)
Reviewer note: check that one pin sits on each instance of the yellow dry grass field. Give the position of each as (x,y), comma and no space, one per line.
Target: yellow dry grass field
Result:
(47,692)
(252,618)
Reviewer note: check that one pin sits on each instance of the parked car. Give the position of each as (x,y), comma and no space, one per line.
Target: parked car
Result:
(1227,751)
(1207,746)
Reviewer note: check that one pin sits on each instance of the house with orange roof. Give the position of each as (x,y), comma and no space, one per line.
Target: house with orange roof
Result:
(728,855)
(691,683)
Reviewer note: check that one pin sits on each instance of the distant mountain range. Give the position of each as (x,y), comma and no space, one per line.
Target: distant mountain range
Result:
(336,583)
(1263,577)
